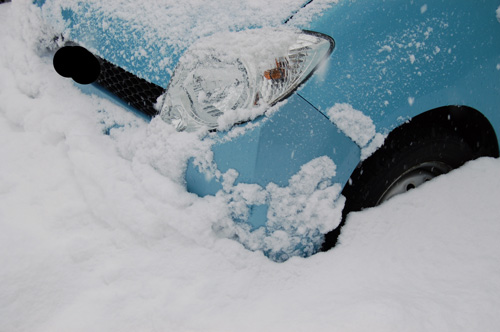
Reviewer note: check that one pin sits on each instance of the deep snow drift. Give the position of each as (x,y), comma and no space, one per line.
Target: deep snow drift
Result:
(93,237)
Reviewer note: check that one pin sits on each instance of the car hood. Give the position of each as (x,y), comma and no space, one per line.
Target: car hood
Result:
(147,38)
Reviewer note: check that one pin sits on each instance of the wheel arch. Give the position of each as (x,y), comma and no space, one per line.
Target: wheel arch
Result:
(466,121)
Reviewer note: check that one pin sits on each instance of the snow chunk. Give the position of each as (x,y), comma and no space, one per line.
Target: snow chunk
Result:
(498,13)
(298,215)
(423,9)
(358,127)
(373,146)
(385,48)
(353,123)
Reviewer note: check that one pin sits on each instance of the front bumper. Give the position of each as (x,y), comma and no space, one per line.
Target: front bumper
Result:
(273,149)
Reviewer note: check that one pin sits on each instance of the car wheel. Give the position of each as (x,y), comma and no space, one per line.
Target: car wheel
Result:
(408,158)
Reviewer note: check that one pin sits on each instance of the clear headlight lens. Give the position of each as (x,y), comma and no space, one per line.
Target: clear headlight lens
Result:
(253,69)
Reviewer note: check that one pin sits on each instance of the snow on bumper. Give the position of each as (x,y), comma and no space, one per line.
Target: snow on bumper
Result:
(281,176)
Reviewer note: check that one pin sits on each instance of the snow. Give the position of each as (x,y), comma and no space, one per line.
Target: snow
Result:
(357,126)
(97,232)
(298,214)
(498,13)
(159,28)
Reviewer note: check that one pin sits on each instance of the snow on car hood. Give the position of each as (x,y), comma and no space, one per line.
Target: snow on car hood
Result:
(147,38)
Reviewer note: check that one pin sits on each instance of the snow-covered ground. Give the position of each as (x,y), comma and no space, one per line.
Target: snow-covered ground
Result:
(97,232)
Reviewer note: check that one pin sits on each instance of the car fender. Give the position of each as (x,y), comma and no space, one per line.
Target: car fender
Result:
(394,60)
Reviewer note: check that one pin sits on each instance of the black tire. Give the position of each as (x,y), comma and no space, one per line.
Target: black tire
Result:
(415,153)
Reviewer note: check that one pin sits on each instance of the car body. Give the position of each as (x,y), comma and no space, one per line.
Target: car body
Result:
(391,64)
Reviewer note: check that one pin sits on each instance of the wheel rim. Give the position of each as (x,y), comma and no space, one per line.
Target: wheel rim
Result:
(413,178)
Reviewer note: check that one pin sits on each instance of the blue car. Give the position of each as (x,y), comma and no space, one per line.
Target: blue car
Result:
(314,108)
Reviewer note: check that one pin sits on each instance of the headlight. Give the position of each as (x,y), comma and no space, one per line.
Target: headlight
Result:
(242,70)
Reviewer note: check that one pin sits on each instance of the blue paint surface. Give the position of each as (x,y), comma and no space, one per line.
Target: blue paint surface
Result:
(392,61)
(396,59)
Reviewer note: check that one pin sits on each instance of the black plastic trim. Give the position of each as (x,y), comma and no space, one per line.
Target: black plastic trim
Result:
(133,90)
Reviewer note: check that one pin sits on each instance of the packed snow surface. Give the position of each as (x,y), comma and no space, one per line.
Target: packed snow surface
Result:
(97,231)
